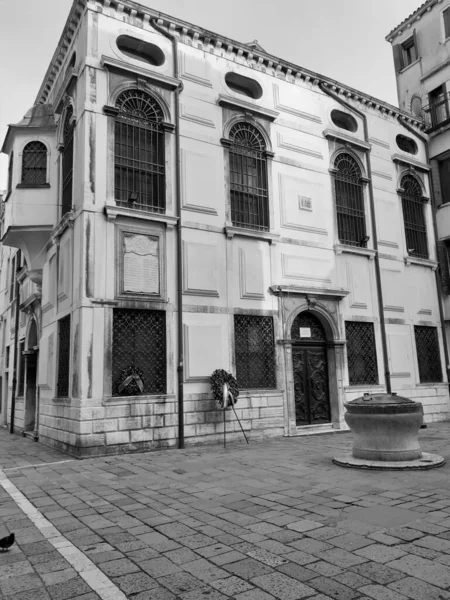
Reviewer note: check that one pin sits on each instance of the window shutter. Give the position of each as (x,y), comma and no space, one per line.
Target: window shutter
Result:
(398,57)
(416,47)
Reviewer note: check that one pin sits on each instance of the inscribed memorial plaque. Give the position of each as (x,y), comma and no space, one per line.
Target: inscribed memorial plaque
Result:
(140,264)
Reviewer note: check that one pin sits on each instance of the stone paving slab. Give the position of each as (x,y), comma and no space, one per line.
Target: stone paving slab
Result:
(272,520)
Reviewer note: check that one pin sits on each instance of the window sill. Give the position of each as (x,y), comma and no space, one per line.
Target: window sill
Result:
(410,65)
(65,222)
(332,134)
(37,186)
(343,249)
(406,160)
(439,384)
(360,388)
(422,262)
(112,212)
(144,399)
(260,392)
(61,400)
(265,236)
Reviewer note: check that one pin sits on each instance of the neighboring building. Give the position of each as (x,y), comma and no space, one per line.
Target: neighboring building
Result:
(421,45)
(220,208)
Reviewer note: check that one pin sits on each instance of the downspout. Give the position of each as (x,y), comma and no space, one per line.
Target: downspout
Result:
(348,106)
(180,367)
(437,272)
(16,339)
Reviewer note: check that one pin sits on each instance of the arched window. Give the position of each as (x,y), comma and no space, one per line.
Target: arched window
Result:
(34,164)
(67,163)
(414,217)
(248,177)
(139,152)
(349,201)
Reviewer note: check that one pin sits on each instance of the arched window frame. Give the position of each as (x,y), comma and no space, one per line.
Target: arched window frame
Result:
(240,214)
(414,215)
(35,164)
(67,159)
(351,221)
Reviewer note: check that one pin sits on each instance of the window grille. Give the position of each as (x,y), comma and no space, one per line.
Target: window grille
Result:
(10,171)
(139,153)
(361,353)
(34,164)
(64,358)
(20,389)
(254,352)
(428,355)
(349,201)
(248,178)
(67,163)
(414,217)
(139,341)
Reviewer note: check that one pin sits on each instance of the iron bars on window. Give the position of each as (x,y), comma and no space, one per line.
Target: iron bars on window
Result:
(139,346)
(64,358)
(34,164)
(414,217)
(254,352)
(248,178)
(67,163)
(139,153)
(361,353)
(428,355)
(349,201)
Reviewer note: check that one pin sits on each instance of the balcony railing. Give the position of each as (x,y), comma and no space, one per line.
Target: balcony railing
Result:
(437,112)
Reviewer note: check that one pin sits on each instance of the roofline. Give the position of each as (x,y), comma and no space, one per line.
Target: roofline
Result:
(281,69)
(415,16)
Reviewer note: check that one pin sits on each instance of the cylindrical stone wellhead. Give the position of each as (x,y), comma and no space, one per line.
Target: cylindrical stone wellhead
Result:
(385,427)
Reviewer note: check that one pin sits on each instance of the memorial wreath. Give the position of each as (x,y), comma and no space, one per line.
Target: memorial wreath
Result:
(218,378)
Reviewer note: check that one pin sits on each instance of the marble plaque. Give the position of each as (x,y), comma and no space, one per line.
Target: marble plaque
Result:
(140,264)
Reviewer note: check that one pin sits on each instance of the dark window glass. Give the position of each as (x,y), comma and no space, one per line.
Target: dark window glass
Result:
(409,51)
(361,353)
(139,347)
(67,163)
(64,358)
(243,85)
(139,50)
(12,275)
(254,352)
(414,217)
(344,120)
(139,153)
(349,201)
(248,178)
(34,164)
(309,321)
(20,389)
(10,171)
(406,144)
(428,355)
(438,106)
(446,17)
(444,179)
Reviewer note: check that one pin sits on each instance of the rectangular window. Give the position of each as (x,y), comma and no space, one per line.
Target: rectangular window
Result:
(444,179)
(415,226)
(409,49)
(446,19)
(20,389)
(437,106)
(12,280)
(428,355)
(254,352)
(10,171)
(7,357)
(361,353)
(138,352)
(62,388)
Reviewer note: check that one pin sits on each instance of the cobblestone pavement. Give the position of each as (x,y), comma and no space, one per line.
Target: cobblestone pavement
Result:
(272,520)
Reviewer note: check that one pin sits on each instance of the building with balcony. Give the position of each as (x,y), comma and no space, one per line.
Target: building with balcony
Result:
(421,45)
(182,202)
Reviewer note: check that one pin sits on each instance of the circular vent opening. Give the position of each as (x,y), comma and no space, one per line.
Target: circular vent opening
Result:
(406,144)
(344,120)
(139,50)
(243,85)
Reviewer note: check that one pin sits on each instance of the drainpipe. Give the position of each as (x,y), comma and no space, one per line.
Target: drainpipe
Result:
(180,367)
(351,108)
(16,339)
(437,272)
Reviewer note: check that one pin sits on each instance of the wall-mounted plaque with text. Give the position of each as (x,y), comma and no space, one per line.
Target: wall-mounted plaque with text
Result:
(140,264)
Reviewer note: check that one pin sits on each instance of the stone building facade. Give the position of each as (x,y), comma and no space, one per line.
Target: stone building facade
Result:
(183,202)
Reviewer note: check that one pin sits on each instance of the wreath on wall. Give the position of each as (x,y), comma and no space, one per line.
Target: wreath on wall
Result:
(218,378)
(130,382)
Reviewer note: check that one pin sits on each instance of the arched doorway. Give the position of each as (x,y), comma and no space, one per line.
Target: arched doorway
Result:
(310,370)
(30,358)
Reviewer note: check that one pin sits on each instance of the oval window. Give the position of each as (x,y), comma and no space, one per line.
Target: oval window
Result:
(139,50)
(406,144)
(344,120)
(243,85)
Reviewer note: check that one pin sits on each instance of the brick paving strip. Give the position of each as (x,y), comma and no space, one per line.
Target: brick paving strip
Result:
(87,570)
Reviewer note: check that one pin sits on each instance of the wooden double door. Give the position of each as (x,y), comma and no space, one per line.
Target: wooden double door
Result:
(312,398)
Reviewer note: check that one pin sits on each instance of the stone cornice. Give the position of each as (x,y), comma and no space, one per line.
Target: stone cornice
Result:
(415,16)
(135,14)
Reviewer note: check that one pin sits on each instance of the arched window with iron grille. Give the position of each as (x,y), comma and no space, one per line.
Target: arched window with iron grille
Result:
(248,177)
(349,201)
(34,164)
(414,217)
(139,152)
(67,162)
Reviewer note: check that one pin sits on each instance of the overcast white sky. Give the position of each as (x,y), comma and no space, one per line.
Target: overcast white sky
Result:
(343,39)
